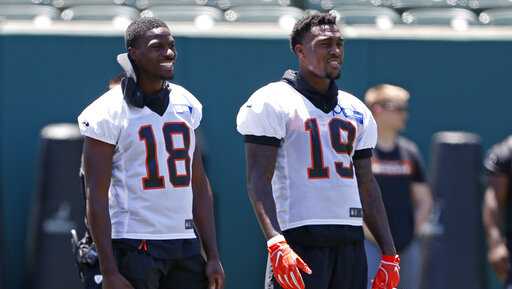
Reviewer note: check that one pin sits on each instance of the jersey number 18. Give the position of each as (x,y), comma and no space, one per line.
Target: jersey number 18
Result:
(153,179)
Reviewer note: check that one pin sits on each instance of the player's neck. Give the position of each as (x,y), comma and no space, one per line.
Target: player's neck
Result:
(150,86)
(387,139)
(321,85)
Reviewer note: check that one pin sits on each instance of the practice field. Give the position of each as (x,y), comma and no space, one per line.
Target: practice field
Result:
(458,81)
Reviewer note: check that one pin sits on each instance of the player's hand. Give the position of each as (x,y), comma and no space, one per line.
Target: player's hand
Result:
(215,274)
(286,264)
(388,273)
(499,259)
(115,281)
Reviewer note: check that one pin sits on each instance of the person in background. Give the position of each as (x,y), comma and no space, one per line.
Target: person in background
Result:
(497,209)
(398,167)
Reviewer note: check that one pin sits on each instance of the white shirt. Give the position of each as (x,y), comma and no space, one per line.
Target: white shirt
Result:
(150,193)
(314,181)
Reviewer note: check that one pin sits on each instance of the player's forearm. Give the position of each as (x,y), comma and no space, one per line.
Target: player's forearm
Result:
(492,221)
(259,189)
(98,171)
(376,219)
(422,213)
(100,227)
(493,231)
(375,215)
(261,162)
(264,208)
(423,202)
(204,220)
(495,199)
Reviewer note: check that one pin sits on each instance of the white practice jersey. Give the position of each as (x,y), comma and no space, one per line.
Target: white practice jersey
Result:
(150,194)
(314,181)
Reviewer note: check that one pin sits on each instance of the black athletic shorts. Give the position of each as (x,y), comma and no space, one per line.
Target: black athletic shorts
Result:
(338,262)
(145,271)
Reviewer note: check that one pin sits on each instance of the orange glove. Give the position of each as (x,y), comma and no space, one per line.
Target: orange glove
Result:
(388,274)
(286,264)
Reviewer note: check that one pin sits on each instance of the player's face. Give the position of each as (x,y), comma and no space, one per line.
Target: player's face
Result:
(155,54)
(392,115)
(322,51)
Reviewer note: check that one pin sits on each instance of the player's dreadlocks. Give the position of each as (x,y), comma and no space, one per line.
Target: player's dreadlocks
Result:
(140,26)
(305,24)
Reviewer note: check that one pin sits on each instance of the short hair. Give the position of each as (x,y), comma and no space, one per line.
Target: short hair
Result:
(385,93)
(139,27)
(305,24)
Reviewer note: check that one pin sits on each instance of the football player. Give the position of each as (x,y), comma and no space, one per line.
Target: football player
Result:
(308,148)
(146,189)
(497,209)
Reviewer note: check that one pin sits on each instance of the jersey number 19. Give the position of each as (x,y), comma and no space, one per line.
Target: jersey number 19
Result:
(318,170)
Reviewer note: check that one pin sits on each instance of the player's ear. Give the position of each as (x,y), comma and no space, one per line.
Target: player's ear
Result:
(132,53)
(299,51)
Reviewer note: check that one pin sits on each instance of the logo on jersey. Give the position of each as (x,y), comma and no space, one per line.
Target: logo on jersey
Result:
(182,108)
(353,114)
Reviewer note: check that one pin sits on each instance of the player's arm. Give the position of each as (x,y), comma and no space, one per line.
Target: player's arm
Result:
(422,202)
(375,216)
(261,162)
(260,165)
(376,220)
(98,158)
(205,221)
(493,212)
